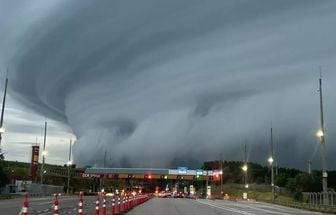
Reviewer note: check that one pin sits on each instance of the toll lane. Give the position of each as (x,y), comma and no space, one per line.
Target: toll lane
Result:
(173,206)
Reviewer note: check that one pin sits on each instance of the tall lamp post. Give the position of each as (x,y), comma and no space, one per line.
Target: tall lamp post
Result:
(244,168)
(69,168)
(221,173)
(2,130)
(270,161)
(320,134)
(44,152)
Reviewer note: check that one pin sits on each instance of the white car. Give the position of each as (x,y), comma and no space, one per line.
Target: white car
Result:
(164,194)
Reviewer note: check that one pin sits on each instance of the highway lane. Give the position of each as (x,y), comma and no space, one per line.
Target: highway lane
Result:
(157,206)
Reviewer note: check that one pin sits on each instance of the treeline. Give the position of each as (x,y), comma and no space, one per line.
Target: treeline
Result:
(293,179)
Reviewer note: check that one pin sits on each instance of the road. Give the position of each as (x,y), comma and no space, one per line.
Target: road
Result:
(171,206)
(157,206)
(44,206)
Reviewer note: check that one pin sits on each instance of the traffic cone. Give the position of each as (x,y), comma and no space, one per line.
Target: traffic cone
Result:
(104,204)
(123,204)
(113,206)
(80,204)
(25,205)
(55,204)
(97,205)
(126,203)
(119,206)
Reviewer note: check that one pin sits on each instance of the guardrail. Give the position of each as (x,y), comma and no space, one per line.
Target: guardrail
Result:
(306,206)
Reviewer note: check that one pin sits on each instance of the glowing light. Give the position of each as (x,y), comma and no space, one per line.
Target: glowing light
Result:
(44,153)
(244,168)
(319,133)
(270,160)
(246,186)
(69,163)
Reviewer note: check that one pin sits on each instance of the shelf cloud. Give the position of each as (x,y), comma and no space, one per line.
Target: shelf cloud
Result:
(173,83)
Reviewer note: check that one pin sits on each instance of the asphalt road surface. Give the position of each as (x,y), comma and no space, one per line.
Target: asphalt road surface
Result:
(44,206)
(159,206)
(171,206)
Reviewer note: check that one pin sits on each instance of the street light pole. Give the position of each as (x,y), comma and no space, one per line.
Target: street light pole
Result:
(323,149)
(2,130)
(44,151)
(206,184)
(271,159)
(69,166)
(245,166)
(221,173)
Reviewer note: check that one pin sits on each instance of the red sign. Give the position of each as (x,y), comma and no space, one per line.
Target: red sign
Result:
(34,162)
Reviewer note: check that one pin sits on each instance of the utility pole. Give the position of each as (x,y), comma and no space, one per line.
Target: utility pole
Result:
(44,151)
(323,149)
(2,130)
(69,168)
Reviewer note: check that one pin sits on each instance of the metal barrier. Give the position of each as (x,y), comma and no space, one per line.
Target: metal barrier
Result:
(321,198)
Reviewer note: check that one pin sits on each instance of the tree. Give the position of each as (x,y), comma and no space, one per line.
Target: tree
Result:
(3,177)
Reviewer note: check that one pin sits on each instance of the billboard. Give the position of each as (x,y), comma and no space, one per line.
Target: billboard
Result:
(34,162)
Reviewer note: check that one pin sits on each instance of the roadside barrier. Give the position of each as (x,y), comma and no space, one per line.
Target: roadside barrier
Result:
(97,205)
(55,204)
(25,205)
(80,204)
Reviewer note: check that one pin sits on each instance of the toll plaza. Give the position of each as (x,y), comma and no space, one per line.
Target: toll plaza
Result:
(151,179)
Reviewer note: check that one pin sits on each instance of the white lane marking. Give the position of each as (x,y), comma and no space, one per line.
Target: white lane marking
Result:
(226,208)
(267,211)
(20,212)
(44,203)
(281,207)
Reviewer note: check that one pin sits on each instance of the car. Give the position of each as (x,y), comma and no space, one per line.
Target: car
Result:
(164,194)
(178,195)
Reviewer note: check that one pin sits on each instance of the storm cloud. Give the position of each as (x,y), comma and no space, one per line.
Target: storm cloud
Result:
(162,83)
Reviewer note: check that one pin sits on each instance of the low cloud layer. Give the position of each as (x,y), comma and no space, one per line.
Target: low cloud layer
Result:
(171,83)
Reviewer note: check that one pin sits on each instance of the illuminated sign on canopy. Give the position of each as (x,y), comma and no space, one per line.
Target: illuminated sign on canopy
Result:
(199,172)
(182,170)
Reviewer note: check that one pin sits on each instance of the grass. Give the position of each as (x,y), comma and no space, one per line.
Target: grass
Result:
(236,192)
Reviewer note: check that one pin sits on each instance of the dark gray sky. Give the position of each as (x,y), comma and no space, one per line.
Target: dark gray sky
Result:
(166,83)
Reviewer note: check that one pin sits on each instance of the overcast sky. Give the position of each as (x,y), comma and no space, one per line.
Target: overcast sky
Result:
(159,83)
